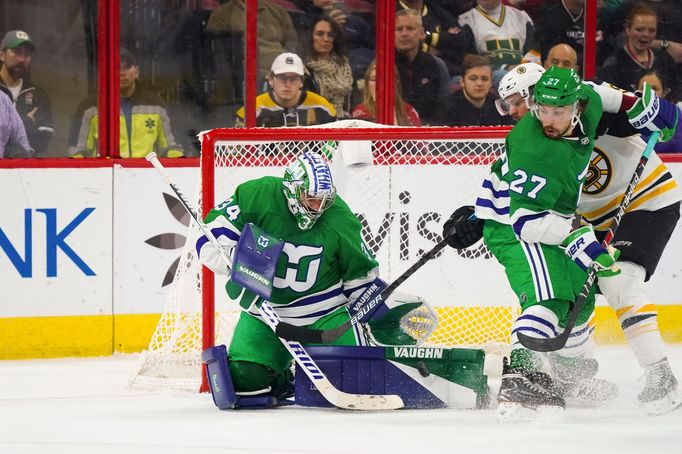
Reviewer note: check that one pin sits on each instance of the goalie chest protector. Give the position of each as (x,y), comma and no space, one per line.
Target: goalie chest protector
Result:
(422,377)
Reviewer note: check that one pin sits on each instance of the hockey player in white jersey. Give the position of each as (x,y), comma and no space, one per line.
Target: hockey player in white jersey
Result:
(641,237)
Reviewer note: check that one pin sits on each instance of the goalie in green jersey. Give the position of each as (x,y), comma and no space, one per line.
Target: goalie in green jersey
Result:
(526,206)
(318,268)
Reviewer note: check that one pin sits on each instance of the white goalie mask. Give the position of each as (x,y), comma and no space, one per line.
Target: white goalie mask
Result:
(519,80)
(309,188)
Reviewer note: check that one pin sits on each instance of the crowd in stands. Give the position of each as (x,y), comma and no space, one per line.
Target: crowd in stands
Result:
(316,65)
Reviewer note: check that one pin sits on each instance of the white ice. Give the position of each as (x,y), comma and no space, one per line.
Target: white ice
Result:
(86,406)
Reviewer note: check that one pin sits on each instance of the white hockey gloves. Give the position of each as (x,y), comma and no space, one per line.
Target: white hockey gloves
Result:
(651,113)
(583,248)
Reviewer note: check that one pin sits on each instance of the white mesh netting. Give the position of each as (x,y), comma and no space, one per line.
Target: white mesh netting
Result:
(402,199)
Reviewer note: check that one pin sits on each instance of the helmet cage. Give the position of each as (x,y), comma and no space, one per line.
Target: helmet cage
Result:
(308,179)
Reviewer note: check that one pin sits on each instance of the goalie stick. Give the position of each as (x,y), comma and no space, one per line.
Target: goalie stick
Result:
(556,343)
(336,397)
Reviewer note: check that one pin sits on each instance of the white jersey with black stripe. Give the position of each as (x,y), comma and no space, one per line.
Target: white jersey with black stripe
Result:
(612,165)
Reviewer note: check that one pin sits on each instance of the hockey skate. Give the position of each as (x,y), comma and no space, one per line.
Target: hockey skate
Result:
(659,395)
(575,381)
(527,396)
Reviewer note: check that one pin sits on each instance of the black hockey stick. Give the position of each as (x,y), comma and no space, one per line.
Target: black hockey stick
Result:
(557,343)
(335,396)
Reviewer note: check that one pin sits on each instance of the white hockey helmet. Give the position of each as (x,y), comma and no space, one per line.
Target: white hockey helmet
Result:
(520,79)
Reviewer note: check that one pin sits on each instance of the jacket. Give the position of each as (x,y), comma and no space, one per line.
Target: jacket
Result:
(150,129)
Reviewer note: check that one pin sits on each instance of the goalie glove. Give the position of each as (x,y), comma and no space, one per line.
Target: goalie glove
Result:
(583,248)
(651,113)
(463,229)
(406,320)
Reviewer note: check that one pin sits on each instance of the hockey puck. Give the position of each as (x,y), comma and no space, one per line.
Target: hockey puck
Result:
(423,369)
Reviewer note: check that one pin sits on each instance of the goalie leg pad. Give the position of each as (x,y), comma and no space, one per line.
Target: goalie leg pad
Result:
(422,377)
(222,388)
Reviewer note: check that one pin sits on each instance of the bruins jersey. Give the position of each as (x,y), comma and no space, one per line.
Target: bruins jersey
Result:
(311,109)
(611,167)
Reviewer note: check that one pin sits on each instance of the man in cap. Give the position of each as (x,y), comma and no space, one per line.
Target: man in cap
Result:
(145,124)
(286,103)
(32,103)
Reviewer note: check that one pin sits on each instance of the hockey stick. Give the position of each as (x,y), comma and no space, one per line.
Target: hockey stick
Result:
(556,343)
(372,300)
(336,397)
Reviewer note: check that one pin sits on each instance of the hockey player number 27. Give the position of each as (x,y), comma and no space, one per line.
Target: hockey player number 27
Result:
(517,185)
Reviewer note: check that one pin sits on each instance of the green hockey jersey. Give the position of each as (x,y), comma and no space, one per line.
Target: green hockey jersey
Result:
(535,185)
(318,269)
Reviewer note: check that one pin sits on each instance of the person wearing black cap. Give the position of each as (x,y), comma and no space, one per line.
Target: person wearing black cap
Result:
(145,124)
(32,103)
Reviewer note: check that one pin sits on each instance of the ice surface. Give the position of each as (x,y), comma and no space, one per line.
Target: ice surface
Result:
(86,406)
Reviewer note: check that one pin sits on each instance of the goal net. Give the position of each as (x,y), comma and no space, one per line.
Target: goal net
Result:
(402,184)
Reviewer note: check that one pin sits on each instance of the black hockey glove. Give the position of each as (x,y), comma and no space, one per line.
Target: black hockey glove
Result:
(463,228)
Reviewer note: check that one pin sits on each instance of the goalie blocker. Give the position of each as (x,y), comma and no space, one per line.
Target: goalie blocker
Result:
(422,377)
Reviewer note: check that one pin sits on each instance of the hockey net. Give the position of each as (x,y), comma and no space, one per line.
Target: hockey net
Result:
(402,184)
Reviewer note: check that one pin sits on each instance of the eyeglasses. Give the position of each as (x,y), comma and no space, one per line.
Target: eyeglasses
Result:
(288,79)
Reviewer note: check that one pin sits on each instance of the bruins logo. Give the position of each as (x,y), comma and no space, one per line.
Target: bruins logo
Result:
(520,69)
(598,173)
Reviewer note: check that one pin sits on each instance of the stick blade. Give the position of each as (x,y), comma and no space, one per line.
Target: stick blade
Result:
(537,344)
(367,402)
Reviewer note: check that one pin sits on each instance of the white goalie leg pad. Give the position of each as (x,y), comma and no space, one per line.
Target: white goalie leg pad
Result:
(637,315)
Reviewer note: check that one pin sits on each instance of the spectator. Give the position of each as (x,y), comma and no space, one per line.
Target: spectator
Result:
(443,35)
(563,21)
(563,56)
(13,141)
(419,72)
(276,33)
(144,122)
(502,33)
(403,113)
(326,58)
(473,105)
(669,14)
(286,103)
(629,63)
(358,35)
(657,84)
(32,103)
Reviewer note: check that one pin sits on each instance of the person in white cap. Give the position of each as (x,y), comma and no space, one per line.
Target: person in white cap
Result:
(287,103)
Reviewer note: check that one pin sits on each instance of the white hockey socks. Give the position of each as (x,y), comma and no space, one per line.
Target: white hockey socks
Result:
(637,315)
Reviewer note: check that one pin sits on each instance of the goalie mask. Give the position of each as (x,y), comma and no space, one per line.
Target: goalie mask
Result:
(309,188)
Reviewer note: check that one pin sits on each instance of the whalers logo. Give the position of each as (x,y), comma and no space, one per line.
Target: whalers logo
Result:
(412,352)
(263,241)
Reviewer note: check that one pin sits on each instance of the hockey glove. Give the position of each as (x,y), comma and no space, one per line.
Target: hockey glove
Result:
(583,248)
(463,228)
(651,113)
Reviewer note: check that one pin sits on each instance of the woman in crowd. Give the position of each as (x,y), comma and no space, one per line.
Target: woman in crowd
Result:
(404,113)
(327,61)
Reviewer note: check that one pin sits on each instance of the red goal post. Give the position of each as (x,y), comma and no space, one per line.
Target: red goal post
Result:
(402,183)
